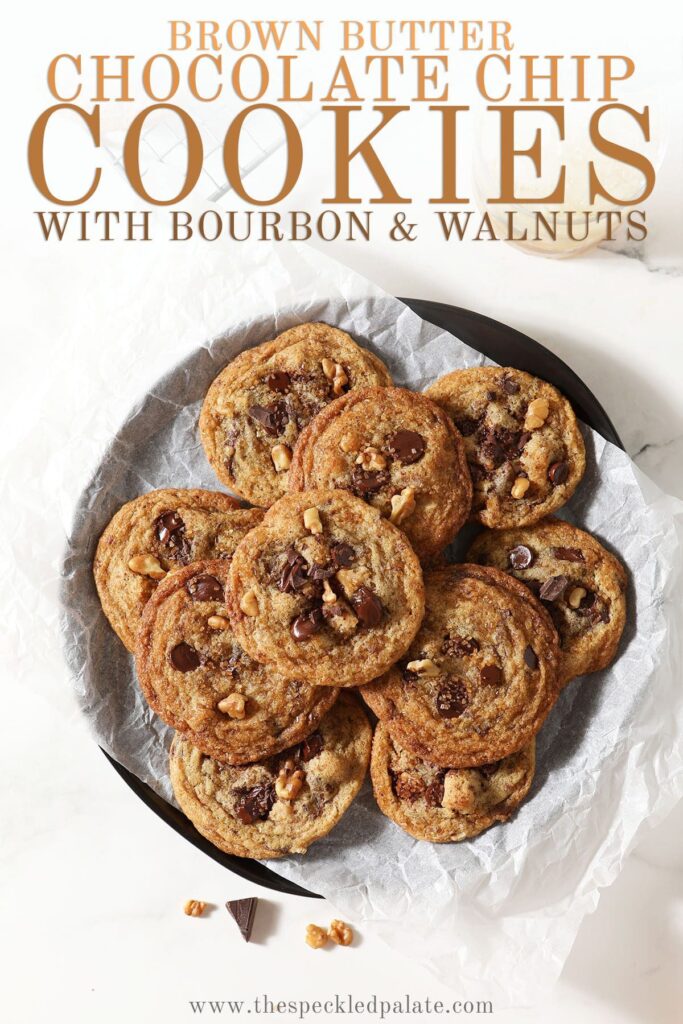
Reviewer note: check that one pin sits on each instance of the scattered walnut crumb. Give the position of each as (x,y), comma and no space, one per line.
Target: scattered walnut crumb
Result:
(194,908)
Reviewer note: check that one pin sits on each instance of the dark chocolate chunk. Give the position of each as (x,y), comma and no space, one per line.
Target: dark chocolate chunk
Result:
(558,472)
(406,446)
(553,588)
(510,386)
(293,576)
(434,793)
(184,658)
(459,646)
(366,482)
(272,418)
(278,381)
(530,658)
(311,747)
(342,554)
(487,770)
(492,675)
(306,624)
(568,554)
(255,804)
(170,532)
(466,426)
(367,606)
(521,557)
(205,588)
(452,699)
(407,787)
(243,912)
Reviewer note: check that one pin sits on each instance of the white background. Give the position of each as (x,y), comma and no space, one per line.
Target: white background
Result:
(92,883)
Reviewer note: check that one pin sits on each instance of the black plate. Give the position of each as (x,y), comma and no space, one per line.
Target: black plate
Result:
(502,344)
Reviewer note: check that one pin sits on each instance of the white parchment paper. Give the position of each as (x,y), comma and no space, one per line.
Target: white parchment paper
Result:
(495,917)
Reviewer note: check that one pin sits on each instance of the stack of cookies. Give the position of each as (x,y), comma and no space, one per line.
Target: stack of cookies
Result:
(251,626)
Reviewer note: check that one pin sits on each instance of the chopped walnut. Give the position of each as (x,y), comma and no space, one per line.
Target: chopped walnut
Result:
(316,937)
(576,596)
(520,487)
(194,908)
(147,565)
(341,933)
(282,457)
(424,667)
(217,622)
(536,414)
(288,786)
(233,705)
(371,459)
(312,520)
(402,506)
(249,603)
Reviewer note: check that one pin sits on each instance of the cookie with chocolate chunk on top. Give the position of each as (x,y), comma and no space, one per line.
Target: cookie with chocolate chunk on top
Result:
(155,534)
(582,585)
(400,453)
(325,589)
(197,678)
(480,676)
(281,805)
(446,805)
(524,447)
(258,405)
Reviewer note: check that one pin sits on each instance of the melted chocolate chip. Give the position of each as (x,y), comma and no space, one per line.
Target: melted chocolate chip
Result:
(273,418)
(466,426)
(367,606)
(293,576)
(558,473)
(452,699)
(568,554)
(184,657)
(342,554)
(521,557)
(487,770)
(530,658)
(170,532)
(321,572)
(406,446)
(553,588)
(459,646)
(366,482)
(306,624)
(278,381)
(255,804)
(205,588)
(434,793)
(491,675)
(407,787)
(509,386)
(501,444)
(311,747)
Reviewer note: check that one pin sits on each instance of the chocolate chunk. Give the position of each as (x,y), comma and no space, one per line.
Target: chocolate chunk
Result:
(205,588)
(293,576)
(273,418)
(553,588)
(491,675)
(558,473)
(509,386)
(492,395)
(321,572)
(367,606)
(452,699)
(306,624)
(568,554)
(342,554)
(487,770)
(243,912)
(184,658)
(407,787)
(434,793)
(170,531)
(521,557)
(530,658)
(459,646)
(311,747)
(278,381)
(466,425)
(501,444)
(255,804)
(407,446)
(366,482)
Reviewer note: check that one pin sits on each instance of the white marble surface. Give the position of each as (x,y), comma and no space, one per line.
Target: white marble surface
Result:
(93,883)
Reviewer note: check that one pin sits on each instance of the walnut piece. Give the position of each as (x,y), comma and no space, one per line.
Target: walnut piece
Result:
(288,785)
(340,932)
(217,622)
(194,908)
(282,457)
(249,604)
(536,414)
(316,937)
(520,487)
(402,506)
(424,667)
(147,565)
(234,705)
(312,521)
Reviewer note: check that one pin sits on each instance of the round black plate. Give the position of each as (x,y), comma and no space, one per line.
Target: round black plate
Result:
(503,345)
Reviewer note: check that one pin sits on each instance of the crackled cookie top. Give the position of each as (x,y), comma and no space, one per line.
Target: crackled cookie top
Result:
(523,444)
(198,679)
(480,676)
(256,408)
(399,452)
(281,805)
(326,589)
(581,584)
(155,534)
(446,805)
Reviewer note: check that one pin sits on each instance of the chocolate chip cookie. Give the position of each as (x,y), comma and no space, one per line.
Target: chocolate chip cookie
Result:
(446,805)
(581,584)
(523,444)
(325,589)
(480,676)
(256,408)
(153,535)
(198,679)
(282,805)
(399,452)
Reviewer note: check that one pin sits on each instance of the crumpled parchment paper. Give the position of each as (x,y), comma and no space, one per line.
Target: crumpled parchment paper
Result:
(497,916)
